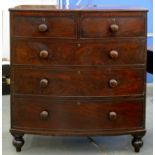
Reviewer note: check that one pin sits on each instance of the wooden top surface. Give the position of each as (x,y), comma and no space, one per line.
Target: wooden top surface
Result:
(77,8)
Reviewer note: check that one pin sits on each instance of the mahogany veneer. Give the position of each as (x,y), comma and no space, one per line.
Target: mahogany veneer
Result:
(78,72)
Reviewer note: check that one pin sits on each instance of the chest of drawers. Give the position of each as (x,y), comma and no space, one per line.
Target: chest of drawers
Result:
(77,72)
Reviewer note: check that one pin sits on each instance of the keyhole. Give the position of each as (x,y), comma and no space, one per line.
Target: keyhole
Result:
(43,19)
(114,20)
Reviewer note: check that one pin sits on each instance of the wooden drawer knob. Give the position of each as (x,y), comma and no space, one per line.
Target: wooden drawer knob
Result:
(113,54)
(79,72)
(43,83)
(78,103)
(113,83)
(78,45)
(44,115)
(114,28)
(112,115)
(43,54)
(42,27)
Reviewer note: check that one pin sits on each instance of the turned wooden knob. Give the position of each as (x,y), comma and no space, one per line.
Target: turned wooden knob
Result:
(44,115)
(43,54)
(114,27)
(113,83)
(79,45)
(113,54)
(43,83)
(112,115)
(42,27)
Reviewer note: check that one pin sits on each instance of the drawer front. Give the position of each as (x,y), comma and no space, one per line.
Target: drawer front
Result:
(58,26)
(93,26)
(42,113)
(86,81)
(111,52)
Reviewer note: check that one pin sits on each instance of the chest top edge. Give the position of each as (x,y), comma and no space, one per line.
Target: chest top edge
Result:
(76,9)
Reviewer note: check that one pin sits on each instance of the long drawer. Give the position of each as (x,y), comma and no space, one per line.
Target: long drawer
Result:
(107,52)
(45,113)
(78,81)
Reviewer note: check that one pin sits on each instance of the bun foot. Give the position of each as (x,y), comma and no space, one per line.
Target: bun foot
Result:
(18,142)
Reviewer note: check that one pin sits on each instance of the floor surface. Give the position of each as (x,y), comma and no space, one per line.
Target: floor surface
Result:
(48,145)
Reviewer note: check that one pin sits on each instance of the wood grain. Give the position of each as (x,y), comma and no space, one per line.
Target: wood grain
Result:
(76,115)
(78,72)
(79,81)
(27,52)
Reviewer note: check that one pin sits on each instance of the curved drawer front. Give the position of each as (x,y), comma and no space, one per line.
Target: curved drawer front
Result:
(99,26)
(58,26)
(44,113)
(79,81)
(108,52)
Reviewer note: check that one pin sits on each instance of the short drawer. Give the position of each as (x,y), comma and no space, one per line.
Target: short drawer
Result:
(58,26)
(110,51)
(45,113)
(101,25)
(79,81)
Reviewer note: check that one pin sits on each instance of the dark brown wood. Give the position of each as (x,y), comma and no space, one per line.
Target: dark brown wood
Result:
(86,81)
(86,52)
(70,115)
(99,26)
(137,141)
(18,141)
(45,26)
(78,72)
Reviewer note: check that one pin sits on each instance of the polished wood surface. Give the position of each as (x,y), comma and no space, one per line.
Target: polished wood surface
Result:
(78,71)
(78,53)
(94,81)
(45,26)
(98,26)
(77,115)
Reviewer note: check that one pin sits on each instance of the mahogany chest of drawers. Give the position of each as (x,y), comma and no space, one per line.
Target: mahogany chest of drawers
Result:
(78,72)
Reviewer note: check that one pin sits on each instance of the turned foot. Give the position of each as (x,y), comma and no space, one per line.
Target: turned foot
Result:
(137,143)
(18,141)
